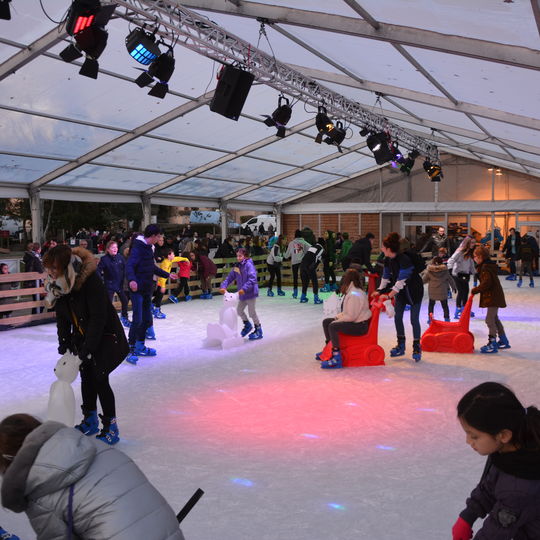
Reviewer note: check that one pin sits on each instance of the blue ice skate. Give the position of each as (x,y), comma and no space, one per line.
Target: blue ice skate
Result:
(109,432)
(89,424)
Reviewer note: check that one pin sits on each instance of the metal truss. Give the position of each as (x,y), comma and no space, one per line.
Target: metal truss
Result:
(172,22)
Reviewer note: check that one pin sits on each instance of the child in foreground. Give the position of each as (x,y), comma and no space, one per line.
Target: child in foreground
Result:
(497,425)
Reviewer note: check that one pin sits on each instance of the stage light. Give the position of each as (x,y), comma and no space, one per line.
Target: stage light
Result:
(364,131)
(434,171)
(336,135)
(378,144)
(398,158)
(161,69)
(323,124)
(280,116)
(70,53)
(81,15)
(408,164)
(142,46)
(5,12)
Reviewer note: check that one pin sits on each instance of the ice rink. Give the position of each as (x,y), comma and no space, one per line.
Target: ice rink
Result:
(283,449)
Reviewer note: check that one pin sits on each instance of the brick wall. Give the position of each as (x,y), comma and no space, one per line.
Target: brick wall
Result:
(370,223)
(329,222)
(350,223)
(311,221)
(289,224)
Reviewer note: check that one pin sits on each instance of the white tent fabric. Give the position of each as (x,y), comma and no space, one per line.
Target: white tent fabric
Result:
(468,82)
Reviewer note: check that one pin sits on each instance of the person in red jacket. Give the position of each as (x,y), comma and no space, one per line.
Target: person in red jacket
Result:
(184,273)
(206,270)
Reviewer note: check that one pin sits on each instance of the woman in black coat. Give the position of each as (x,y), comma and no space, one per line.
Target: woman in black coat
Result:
(88,326)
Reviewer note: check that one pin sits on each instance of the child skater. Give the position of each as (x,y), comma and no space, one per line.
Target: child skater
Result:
(184,273)
(526,256)
(499,427)
(245,275)
(491,297)
(438,278)
(165,264)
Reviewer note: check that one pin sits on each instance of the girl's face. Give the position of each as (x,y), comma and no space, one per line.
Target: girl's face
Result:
(192,256)
(170,256)
(5,269)
(240,257)
(478,258)
(388,252)
(113,249)
(480,441)
(53,272)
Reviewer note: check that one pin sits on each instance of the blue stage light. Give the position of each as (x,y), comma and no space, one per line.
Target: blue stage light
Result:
(142,46)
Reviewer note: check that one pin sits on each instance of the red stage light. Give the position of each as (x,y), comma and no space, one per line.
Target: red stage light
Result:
(83,22)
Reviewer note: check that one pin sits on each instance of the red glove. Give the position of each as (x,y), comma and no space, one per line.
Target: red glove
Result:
(461,530)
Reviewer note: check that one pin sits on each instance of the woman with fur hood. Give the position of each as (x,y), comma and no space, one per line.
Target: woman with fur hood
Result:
(77,488)
(438,278)
(88,326)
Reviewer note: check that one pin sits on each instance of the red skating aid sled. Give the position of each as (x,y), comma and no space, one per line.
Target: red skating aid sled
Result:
(442,336)
(360,350)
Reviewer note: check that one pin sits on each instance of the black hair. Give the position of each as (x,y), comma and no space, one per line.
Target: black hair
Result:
(170,250)
(491,407)
(2,266)
(370,235)
(244,251)
(298,233)
(392,242)
(151,230)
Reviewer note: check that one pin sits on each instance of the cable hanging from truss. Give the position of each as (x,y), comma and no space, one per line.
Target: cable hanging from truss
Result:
(205,37)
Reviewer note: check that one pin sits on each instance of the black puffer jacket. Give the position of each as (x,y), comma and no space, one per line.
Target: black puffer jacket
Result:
(401,268)
(509,495)
(87,307)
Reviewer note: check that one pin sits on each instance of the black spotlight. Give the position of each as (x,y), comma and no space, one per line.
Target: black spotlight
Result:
(336,135)
(161,69)
(81,15)
(142,46)
(280,116)
(378,144)
(5,12)
(398,158)
(434,171)
(323,123)
(364,131)
(408,164)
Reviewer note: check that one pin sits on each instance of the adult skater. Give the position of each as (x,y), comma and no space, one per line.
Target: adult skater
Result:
(401,279)
(353,319)
(112,268)
(87,325)
(437,240)
(140,270)
(526,256)
(273,263)
(74,487)
(296,250)
(245,275)
(360,253)
(511,251)
(498,426)
(308,272)
(329,261)
(492,298)
(461,266)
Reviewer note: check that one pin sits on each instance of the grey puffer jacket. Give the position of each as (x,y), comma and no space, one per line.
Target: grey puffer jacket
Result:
(112,499)
(439,281)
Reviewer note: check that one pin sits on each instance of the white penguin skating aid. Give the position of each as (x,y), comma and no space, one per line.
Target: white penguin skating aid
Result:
(61,407)
(225,333)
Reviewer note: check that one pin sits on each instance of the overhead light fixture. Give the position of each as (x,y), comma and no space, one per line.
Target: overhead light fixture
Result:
(364,131)
(433,170)
(280,116)
(498,172)
(161,69)
(398,158)
(5,12)
(378,144)
(336,135)
(86,22)
(490,168)
(323,124)
(142,46)
(408,164)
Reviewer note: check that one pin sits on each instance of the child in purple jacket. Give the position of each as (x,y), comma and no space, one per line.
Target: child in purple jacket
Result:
(245,275)
(497,425)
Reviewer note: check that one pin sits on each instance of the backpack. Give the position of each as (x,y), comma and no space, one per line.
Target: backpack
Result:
(416,259)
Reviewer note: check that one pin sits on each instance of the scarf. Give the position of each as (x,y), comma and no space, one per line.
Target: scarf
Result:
(62,285)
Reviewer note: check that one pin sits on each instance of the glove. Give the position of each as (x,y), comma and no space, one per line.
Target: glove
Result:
(85,355)
(461,530)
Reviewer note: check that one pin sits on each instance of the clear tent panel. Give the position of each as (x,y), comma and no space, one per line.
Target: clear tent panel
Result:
(510,132)
(348,164)
(102,177)
(63,92)
(7,52)
(28,22)
(306,180)
(24,170)
(48,136)
(204,187)
(148,153)
(489,19)
(366,99)
(202,126)
(383,64)
(267,194)
(248,169)
(338,7)
(483,83)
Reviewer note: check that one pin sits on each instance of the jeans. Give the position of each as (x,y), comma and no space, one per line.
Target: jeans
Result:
(415,317)
(332,327)
(141,319)
(122,296)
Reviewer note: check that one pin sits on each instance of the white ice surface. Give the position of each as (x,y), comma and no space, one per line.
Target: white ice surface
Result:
(283,449)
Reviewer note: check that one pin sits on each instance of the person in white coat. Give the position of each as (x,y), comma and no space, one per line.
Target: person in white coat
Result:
(72,486)
(461,266)
(352,320)
(296,250)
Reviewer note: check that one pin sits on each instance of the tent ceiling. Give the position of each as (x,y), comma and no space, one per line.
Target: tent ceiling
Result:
(467,83)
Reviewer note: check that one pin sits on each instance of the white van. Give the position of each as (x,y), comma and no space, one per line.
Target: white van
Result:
(255,223)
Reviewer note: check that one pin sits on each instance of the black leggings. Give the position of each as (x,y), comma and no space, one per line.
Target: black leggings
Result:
(295,269)
(308,274)
(329,274)
(444,304)
(332,327)
(183,286)
(122,296)
(158,297)
(94,385)
(275,271)
(462,286)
